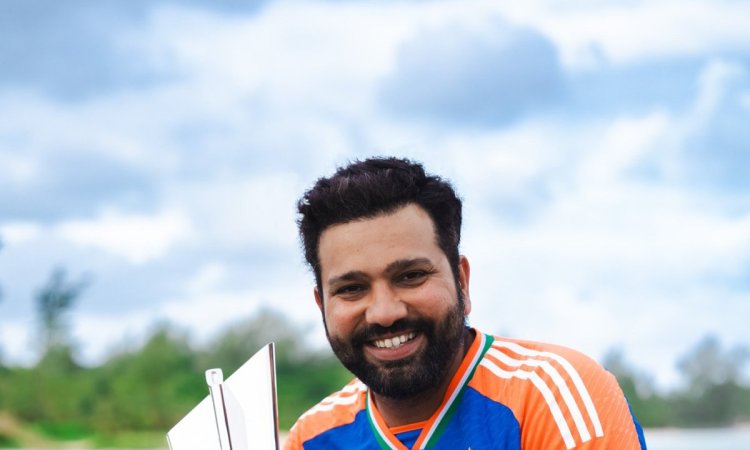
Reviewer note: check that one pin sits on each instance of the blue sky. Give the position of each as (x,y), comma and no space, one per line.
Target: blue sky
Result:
(159,148)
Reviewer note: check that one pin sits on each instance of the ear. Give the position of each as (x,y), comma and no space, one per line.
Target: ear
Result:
(318,298)
(463,280)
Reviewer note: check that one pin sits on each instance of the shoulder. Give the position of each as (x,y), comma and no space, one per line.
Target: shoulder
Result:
(551,358)
(339,408)
(559,395)
(516,371)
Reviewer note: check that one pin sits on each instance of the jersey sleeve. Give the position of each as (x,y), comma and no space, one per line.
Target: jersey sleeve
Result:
(292,441)
(561,398)
(335,411)
(618,428)
(591,412)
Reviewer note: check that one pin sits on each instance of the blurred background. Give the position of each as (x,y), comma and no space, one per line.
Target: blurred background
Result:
(152,153)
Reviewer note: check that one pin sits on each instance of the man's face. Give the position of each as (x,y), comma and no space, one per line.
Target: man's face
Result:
(393,313)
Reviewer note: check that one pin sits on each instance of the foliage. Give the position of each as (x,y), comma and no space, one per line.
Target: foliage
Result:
(651,409)
(151,387)
(148,389)
(135,395)
(129,439)
(8,442)
(713,395)
(53,301)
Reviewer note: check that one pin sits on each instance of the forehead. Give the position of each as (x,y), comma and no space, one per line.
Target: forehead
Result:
(373,243)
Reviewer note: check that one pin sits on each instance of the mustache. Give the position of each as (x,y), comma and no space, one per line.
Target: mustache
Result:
(375,331)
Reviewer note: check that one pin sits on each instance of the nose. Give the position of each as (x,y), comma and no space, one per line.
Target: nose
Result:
(385,306)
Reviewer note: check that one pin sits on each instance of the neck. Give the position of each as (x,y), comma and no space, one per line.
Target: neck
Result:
(397,412)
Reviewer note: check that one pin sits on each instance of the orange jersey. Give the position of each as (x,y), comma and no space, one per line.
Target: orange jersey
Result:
(507,394)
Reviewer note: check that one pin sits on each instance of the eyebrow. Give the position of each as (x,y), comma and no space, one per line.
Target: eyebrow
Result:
(395,266)
(401,264)
(354,275)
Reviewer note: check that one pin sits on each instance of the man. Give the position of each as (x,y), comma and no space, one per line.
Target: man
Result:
(382,239)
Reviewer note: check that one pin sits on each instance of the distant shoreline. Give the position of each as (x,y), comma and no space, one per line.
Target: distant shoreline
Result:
(727,438)
(743,426)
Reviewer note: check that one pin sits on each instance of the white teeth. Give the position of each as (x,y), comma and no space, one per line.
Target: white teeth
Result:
(394,342)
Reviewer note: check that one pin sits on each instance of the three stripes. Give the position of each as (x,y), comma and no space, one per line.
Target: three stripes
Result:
(510,360)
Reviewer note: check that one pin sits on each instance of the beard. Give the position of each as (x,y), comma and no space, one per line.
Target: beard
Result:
(410,376)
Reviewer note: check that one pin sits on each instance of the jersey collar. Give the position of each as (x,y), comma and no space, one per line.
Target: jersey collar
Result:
(435,426)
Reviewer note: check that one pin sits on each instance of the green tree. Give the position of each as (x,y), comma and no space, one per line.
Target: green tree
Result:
(714,393)
(240,341)
(651,409)
(54,301)
(707,364)
(151,388)
(51,394)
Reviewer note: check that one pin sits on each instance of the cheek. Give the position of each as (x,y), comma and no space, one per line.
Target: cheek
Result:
(340,319)
(435,297)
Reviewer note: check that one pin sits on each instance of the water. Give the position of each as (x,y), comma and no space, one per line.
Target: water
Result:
(707,439)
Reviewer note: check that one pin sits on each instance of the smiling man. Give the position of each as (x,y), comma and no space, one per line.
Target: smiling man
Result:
(382,239)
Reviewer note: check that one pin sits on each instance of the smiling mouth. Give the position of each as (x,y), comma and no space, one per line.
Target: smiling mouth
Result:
(394,342)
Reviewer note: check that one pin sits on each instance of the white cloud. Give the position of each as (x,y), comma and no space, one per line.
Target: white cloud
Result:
(17,168)
(318,44)
(625,143)
(97,335)
(17,338)
(206,305)
(136,237)
(120,128)
(714,85)
(609,254)
(18,233)
(627,33)
(745,100)
(605,257)
(242,212)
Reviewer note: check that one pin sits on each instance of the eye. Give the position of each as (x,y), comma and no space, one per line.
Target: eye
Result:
(412,277)
(349,290)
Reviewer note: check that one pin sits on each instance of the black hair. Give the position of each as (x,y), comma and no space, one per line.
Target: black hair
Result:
(372,187)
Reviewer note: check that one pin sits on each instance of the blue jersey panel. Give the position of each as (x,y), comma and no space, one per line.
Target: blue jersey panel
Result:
(354,436)
(478,424)
(481,424)
(409,438)
(638,429)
